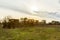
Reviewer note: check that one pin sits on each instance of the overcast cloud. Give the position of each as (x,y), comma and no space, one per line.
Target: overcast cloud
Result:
(46,6)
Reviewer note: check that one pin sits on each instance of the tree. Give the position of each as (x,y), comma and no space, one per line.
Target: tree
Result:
(43,22)
(6,22)
(55,22)
(36,22)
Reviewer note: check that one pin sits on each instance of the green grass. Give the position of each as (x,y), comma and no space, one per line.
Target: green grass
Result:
(30,33)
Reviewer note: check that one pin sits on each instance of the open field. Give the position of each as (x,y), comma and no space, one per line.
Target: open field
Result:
(31,33)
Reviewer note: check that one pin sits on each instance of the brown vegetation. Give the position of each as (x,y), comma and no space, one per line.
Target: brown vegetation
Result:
(25,22)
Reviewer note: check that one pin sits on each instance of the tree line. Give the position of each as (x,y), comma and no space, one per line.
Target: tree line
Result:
(25,22)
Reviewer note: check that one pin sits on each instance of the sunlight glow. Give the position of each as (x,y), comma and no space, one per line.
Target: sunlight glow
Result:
(34,8)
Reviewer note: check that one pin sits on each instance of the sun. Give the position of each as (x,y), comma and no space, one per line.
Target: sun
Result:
(34,8)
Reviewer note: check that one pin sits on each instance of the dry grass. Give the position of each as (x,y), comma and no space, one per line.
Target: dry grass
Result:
(30,33)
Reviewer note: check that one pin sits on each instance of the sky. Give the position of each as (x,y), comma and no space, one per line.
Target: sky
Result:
(38,9)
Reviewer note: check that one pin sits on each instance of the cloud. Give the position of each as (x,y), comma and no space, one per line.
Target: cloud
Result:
(16,5)
(47,7)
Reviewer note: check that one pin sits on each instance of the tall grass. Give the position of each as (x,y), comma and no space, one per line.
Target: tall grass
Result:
(30,33)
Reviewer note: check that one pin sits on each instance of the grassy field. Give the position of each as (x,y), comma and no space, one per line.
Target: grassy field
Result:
(30,33)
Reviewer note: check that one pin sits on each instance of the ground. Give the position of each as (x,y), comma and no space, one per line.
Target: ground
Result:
(31,33)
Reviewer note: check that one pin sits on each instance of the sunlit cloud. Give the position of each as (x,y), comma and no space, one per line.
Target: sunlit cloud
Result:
(40,8)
